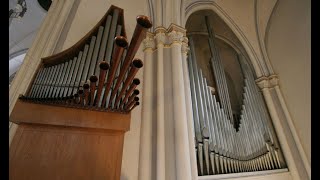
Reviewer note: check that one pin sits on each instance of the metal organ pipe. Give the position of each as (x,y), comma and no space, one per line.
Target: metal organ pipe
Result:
(220,148)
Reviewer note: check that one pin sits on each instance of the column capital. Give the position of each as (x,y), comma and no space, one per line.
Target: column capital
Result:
(268,81)
(185,48)
(148,42)
(175,37)
(160,35)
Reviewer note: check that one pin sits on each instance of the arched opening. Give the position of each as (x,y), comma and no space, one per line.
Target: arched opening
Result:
(232,123)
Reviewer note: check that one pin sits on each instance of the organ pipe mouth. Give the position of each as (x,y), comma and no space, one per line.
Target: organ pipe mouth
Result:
(137,63)
(137,103)
(136,98)
(144,21)
(93,78)
(80,92)
(121,41)
(104,65)
(136,81)
(136,92)
(86,86)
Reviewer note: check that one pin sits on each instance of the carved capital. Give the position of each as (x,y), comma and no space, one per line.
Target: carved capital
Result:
(148,42)
(274,80)
(184,48)
(160,38)
(268,82)
(175,37)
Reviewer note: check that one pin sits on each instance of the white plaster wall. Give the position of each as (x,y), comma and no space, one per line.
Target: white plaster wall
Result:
(289,49)
(87,15)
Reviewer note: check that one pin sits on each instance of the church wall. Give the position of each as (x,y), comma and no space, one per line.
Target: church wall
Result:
(288,47)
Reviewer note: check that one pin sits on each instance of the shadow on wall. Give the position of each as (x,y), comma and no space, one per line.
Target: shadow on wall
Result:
(123,177)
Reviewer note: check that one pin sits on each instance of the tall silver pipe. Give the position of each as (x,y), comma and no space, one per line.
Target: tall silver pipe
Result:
(210,119)
(111,35)
(198,92)
(35,82)
(104,42)
(75,74)
(52,81)
(210,138)
(39,79)
(81,78)
(60,79)
(65,82)
(56,80)
(194,102)
(213,121)
(88,60)
(45,80)
(95,61)
(69,83)
(215,54)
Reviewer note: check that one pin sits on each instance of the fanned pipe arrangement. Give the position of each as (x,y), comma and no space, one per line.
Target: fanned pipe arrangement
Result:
(220,148)
(101,74)
(218,71)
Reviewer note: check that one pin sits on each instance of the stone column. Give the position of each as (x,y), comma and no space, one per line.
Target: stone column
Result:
(43,45)
(182,153)
(145,155)
(161,156)
(267,85)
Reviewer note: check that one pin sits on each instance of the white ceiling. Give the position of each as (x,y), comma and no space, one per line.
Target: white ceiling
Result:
(22,32)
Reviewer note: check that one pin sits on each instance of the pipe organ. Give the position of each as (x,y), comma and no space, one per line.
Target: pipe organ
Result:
(225,144)
(85,94)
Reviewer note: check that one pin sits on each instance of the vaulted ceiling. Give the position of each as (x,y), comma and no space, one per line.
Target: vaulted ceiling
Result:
(22,32)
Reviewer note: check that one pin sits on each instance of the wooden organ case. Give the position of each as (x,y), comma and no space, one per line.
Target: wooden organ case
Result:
(73,118)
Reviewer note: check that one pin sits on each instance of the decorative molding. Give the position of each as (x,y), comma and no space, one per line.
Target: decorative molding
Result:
(185,48)
(148,42)
(166,36)
(175,37)
(268,81)
(177,28)
(160,36)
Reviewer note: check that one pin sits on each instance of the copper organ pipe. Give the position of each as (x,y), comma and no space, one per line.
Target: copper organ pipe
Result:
(86,93)
(135,105)
(104,66)
(120,44)
(93,81)
(70,100)
(127,107)
(76,98)
(80,92)
(135,66)
(143,24)
(134,94)
(135,83)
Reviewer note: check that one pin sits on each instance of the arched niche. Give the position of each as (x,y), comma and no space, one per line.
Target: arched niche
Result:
(229,48)
(247,49)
